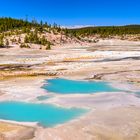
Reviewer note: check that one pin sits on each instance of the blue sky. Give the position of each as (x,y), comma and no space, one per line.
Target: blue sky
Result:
(75,12)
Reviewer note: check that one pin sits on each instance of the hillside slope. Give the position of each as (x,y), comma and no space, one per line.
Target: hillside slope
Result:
(24,34)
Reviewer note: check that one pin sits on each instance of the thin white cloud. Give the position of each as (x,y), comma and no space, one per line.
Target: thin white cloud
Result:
(77,26)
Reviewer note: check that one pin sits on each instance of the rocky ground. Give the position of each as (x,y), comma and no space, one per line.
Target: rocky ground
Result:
(113,116)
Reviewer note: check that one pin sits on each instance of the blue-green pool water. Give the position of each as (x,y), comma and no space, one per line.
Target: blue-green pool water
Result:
(65,86)
(45,115)
(41,98)
(137,94)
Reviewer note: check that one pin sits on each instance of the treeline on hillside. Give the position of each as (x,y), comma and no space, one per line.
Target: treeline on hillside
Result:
(7,24)
(11,26)
(104,31)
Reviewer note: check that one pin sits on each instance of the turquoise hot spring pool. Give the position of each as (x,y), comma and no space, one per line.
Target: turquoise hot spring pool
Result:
(64,86)
(45,114)
(48,115)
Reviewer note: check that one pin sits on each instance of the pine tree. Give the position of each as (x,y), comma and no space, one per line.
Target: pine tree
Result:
(41,23)
(7,43)
(49,46)
(26,39)
(1,41)
(19,40)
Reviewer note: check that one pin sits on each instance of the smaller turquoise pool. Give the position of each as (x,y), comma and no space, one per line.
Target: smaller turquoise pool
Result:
(45,115)
(137,94)
(64,86)
(41,98)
